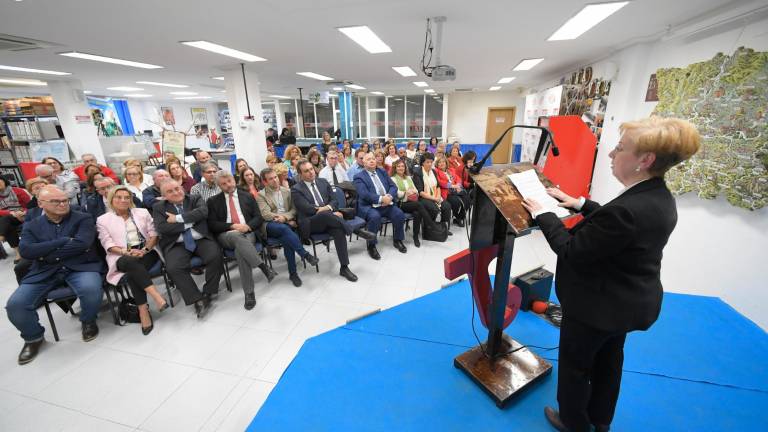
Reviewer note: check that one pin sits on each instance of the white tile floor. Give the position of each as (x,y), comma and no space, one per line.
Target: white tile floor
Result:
(211,374)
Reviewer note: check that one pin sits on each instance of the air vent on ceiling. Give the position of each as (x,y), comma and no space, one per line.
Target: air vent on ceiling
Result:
(338,83)
(463,90)
(17,43)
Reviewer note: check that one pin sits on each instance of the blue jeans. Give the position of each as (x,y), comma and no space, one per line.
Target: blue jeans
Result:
(290,241)
(23,303)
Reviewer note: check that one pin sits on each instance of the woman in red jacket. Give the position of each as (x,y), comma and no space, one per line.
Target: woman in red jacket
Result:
(452,190)
(462,172)
(13,208)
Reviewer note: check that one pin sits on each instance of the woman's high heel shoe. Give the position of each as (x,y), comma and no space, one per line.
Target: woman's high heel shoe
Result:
(147,330)
(163,307)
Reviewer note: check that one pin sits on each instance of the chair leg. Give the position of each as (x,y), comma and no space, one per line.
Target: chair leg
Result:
(112,305)
(227,281)
(168,287)
(50,320)
(314,252)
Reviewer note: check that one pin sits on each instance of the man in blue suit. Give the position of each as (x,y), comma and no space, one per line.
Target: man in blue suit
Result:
(376,197)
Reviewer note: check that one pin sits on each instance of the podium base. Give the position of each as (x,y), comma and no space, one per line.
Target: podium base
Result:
(506,376)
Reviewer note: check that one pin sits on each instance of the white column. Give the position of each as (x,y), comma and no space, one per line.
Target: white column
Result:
(69,101)
(250,142)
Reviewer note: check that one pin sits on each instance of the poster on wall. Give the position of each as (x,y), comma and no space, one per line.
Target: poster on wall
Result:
(652,94)
(175,142)
(543,104)
(51,148)
(168,118)
(199,116)
(104,117)
(726,99)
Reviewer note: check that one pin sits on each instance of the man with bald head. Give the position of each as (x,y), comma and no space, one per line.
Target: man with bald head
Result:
(45,172)
(181,221)
(150,195)
(60,244)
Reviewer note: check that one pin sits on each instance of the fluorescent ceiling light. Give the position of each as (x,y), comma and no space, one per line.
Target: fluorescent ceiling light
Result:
(21,81)
(338,89)
(218,78)
(40,71)
(506,80)
(314,76)
(279,97)
(378,93)
(494,88)
(220,49)
(126,89)
(355,87)
(183,93)
(428,91)
(192,97)
(404,71)
(366,38)
(103,59)
(138,95)
(420,84)
(285,103)
(159,84)
(527,64)
(87,92)
(587,18)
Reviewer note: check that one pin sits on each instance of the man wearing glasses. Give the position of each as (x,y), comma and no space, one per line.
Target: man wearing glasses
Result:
(207,187)
(60,244)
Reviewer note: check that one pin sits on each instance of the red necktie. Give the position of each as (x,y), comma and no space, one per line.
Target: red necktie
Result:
(233,210)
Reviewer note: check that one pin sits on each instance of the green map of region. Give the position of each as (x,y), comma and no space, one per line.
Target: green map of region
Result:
(727,99)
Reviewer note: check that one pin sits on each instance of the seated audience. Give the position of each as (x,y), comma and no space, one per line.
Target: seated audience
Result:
(430,196)
(318,212)
(433,143)
(462,172)
(402,153)
(166,156)
(421,149)
(358,165)
(410,150)
(240,165)
(378,156)
(326,145)
(128,236)
(376,145)
(46,173)
(408,199)
(271,160)
(333,172)
(182,222)
(290,152)
(151,195)
(279,215)
(90,160)
(293,172)
(66,180)
(201,157)
(286,137)
(452,191)
(376,195)
(178,173)
(316,159)
(146,179)
(249,182)
(234,218)
(348,157)
(391,157)
(60,246)
(282,175)
(97,204)
(207,187)
(13,208)
(454,158)
(88,188)
(365,147)
(134,180)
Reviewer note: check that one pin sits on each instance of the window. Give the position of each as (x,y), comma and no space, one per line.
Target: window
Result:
(395,122)
(324,118)
(288,109)
(360,109)
(414,118)
(378,123)
(434,116)
(310,125)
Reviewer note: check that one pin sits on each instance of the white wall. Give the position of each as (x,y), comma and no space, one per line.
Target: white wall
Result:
(468,113)
(142,112)
(717,249)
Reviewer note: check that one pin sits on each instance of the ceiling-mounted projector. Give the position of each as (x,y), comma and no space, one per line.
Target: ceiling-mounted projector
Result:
(444,73)
(439,72)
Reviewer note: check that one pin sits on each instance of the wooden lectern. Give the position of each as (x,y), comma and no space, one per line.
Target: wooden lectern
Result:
(501,366)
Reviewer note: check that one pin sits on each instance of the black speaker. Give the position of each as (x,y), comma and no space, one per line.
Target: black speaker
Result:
(535,285)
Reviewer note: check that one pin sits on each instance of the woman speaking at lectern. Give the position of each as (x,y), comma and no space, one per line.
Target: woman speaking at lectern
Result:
(608,268)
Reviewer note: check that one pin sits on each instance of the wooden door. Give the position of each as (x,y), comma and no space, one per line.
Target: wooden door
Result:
(499,120)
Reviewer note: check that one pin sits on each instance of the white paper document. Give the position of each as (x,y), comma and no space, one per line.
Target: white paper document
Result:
(529,186)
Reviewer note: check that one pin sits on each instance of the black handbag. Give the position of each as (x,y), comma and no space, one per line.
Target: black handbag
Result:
(128,311)
(435,232)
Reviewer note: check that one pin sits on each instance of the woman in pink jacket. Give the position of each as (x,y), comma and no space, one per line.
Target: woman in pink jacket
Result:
(128,235)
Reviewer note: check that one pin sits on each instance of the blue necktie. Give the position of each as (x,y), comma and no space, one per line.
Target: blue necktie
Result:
(378,184)
(189,241)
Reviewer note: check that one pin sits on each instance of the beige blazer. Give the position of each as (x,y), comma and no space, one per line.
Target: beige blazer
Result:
(268,207)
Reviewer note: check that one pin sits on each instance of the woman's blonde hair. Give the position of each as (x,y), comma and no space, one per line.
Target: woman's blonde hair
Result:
(672,140)
(131,162)
(289,151)
(115,190)
(134,167)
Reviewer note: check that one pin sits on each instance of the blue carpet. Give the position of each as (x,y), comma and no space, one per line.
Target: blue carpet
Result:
(352,380)
(696,338)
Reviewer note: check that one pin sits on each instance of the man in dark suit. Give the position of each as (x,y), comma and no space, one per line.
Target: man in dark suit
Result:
(235,219)
(376,193)
(182,224)
(151,195)
(318,212)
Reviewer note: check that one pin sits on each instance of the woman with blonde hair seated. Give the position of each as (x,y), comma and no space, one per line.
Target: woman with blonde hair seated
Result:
(134,180)
(291,151)
(608,268)
(128,236)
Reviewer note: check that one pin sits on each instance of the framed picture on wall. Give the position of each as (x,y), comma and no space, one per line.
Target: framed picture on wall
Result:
(168,118)
(199,116)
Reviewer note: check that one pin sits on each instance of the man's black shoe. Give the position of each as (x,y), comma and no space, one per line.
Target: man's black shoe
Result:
(90,331)
(553,417)
(373,252)
(347,273)
(29,351)
(365,234)
(250,301)
(311,260)
(202,307)
(268,272)
(459,223)
(295,279)
(400,246)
